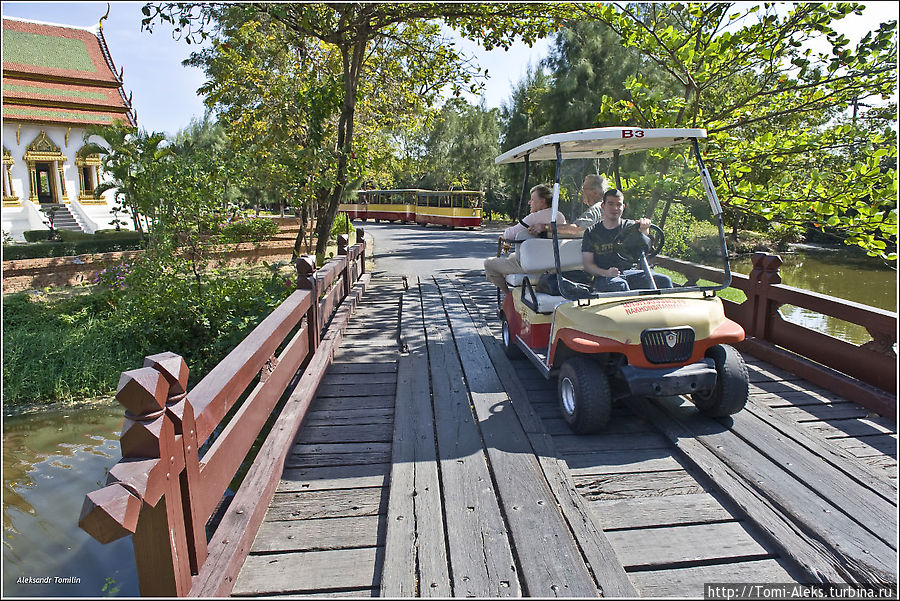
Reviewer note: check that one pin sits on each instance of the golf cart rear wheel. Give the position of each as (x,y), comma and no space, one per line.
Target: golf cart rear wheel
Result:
(510,349)
(732,384)
(584,396)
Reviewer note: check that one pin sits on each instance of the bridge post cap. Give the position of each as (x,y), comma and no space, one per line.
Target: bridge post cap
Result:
(306,265)
(360,235)
(143,390)
(142,439)
(766,261)
(109,513)
(765,268)
(173,368)
(343,242)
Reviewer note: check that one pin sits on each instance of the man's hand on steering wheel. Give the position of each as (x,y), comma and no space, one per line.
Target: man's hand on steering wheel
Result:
(644,225)
(630,244)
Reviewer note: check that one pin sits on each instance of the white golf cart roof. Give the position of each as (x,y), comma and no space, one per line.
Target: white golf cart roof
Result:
(599,142)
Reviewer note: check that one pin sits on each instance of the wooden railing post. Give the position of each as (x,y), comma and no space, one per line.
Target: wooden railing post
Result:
(343,242)
(149,439)
(179,409)
(763,274)
(306,280)
(361,239)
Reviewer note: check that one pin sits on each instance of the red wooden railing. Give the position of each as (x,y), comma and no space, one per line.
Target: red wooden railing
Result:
(163,493)
(866,374)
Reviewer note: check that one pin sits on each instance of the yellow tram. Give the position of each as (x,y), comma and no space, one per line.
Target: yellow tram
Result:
(451,208)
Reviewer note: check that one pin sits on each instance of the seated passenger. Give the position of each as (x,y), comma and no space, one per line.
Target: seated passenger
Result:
(497,268)
(610,272)
(592,196)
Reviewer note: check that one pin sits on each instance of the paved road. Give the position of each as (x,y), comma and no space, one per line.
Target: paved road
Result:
(416,250)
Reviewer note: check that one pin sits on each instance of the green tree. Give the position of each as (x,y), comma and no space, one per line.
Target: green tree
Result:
(565,92)
(524,117)
(274,95)
(783,144)
(131,164)
(410,45)
(586,63)
(458,148)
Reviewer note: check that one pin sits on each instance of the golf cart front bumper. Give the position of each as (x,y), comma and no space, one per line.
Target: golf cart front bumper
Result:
(671,381)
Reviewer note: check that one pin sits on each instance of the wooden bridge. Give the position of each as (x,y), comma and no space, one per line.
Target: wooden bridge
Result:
(409,456)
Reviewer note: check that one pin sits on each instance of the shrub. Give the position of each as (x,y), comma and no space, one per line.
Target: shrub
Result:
(113,277)
(340,225)
(76,348)
(36,235)
(126,241)
(72,236)
(679,223)
(248,229)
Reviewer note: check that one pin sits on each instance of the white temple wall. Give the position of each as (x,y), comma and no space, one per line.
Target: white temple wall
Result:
(17,219)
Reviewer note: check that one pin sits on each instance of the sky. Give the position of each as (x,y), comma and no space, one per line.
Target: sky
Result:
(165,92)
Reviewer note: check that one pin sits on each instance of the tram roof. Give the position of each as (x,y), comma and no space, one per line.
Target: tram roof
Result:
(598,142)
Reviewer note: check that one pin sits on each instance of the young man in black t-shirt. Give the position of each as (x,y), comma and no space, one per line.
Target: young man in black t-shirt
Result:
(610,272)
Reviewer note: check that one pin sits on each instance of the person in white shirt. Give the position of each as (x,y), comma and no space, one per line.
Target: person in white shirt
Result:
(497,268)
(592,191)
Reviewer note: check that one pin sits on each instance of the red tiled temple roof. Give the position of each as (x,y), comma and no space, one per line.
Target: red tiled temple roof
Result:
(60,74)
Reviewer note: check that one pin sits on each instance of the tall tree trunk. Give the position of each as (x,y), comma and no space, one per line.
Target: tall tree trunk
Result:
(352,58)
(665,213)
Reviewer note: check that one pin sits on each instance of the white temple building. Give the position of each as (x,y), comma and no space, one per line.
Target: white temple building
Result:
(57,80)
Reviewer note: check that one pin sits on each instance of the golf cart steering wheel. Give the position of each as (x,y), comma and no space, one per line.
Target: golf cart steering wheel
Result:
(632,242)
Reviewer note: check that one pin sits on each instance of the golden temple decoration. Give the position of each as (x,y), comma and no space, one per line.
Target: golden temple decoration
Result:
(43,149)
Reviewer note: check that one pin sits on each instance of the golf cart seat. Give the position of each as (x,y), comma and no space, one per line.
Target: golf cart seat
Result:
(536,258)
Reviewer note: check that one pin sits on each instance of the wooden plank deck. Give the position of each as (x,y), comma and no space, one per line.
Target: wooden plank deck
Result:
(431,465)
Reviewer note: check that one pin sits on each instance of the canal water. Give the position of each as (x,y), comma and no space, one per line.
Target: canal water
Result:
(52,458)
(833,271)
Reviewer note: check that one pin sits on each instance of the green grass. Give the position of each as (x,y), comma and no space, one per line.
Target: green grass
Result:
(70,348)
(732,294)
(62,350)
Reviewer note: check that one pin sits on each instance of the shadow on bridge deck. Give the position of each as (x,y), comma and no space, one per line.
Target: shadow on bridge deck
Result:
(431,465)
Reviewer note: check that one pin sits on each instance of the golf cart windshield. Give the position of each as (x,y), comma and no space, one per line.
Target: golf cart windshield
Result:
(679,171)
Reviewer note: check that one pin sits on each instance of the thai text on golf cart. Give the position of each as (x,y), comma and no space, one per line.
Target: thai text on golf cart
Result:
(48,580)
(656,304)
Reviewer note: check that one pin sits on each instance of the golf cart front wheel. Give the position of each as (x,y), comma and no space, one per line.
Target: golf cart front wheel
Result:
(584,396)
(509,345)
(732,384)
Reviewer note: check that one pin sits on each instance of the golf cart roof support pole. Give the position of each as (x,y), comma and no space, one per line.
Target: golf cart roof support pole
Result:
(616,169)
(524,184)
(706,180)
(559,278)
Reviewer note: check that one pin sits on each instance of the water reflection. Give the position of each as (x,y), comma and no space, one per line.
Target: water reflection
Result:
(50,461)
(836,273)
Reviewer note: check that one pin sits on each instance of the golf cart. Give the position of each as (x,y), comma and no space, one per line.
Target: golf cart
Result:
(606,346)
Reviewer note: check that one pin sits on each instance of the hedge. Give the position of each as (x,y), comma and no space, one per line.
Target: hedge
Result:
(36,235)
(125,240)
